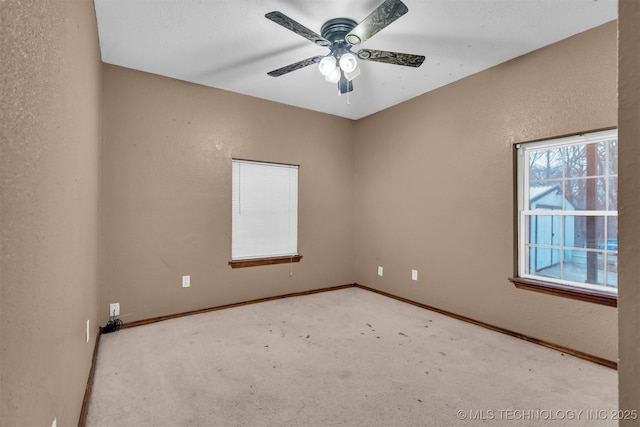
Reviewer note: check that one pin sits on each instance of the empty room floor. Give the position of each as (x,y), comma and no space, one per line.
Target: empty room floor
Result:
(347,357)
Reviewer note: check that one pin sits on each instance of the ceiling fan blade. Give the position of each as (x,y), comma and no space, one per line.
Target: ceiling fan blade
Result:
(385,14)
(396,58)
(295,66)
(288,23)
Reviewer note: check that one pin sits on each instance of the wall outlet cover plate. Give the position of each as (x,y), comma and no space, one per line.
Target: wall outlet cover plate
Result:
(114,309)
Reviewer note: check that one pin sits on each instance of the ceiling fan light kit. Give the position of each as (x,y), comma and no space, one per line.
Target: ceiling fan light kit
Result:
(348,62)
(327,65)
(340,35)
(334,77)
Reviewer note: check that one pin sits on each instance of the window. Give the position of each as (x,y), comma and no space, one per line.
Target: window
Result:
(264,213)
(567,193)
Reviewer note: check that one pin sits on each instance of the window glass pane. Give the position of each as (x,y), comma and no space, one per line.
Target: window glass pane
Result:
(544,262)
(584,160)
(612,233)
(545,164)
(545,230)
(546,195)
(586,194)
(610,252)
(612,269)
(583,267)
(613,194)
(584,231)
(600,158)
(575,164)
(613,157)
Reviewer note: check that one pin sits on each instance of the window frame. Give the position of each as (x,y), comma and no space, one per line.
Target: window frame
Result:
(266,259)
(598,294)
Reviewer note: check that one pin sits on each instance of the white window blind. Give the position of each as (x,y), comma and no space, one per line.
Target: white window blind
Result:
(265,210)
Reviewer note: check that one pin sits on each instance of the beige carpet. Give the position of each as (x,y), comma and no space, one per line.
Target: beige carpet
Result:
(342,358)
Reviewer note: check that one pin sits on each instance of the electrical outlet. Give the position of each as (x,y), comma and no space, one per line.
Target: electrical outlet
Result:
(380,270)
(186,281)
(88,331)
(414,274)
(114,309)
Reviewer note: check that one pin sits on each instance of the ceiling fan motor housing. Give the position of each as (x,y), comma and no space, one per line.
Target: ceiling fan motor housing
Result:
(335,31)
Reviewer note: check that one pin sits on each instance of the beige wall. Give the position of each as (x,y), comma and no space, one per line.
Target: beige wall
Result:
(49,145)
(434,188)
(166,187)
(629,190)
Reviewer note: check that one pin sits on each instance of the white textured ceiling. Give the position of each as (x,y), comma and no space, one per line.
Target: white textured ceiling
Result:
(229,44)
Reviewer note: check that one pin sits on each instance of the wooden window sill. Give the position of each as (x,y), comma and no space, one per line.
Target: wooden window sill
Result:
(566,291)
(264,261)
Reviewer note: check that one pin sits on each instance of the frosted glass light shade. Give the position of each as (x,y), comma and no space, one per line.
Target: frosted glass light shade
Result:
(348,62)
(327,65)
(334,77)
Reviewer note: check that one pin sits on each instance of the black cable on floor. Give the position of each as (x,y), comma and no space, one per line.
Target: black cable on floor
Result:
(112,326)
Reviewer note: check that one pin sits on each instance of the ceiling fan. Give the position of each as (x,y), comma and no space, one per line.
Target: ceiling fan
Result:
(340,35)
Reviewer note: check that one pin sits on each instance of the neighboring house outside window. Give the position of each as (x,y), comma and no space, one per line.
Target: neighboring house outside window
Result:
(567,215)
(264,213)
